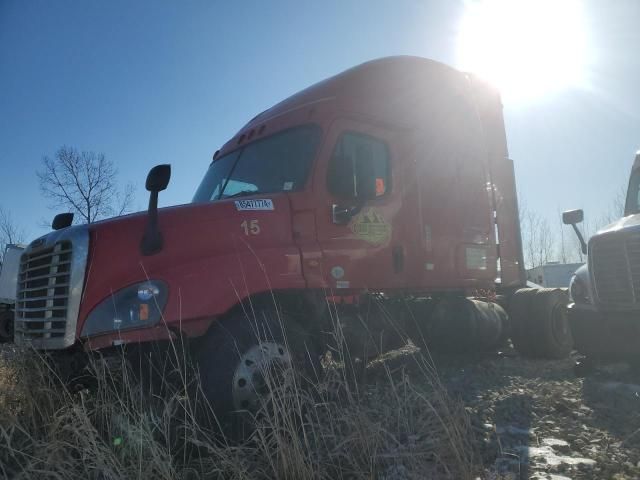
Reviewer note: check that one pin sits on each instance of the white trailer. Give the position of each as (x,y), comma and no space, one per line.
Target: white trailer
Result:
(553,274)
(8,282)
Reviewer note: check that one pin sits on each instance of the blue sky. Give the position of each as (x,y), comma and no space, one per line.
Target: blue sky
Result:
(151,82)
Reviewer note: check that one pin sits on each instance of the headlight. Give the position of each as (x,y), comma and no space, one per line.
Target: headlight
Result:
(135,306)
(578,291)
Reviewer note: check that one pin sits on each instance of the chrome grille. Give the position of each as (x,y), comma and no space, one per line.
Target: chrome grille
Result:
(43,286)
(49,289)
(615,264)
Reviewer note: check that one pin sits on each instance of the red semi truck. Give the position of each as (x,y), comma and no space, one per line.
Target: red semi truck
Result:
(383,192)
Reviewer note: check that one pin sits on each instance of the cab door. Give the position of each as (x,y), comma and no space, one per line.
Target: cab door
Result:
(357,219)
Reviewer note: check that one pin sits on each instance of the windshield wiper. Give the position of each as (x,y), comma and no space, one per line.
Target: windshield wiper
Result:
(241,193)
(233,168)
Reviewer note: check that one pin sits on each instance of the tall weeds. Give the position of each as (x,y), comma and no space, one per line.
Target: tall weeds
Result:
(401,424)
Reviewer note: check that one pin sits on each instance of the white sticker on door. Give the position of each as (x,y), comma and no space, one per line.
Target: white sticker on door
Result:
(255,204)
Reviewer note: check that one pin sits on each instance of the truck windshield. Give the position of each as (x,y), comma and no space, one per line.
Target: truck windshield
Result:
(633,197)
(279,163)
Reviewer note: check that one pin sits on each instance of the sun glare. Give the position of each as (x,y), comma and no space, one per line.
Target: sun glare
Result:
(527,48)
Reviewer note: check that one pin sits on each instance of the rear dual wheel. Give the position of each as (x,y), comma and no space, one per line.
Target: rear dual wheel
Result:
(540,327)
(460,324)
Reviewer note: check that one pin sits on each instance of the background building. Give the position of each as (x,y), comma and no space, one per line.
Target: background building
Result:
(553,274)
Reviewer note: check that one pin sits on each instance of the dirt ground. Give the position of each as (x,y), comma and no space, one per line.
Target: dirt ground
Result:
(535,419)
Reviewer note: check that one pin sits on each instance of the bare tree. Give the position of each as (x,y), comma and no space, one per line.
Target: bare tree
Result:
(10,232)
(537,238)
(615,209)
(85,183)
(563,252)
(572,253)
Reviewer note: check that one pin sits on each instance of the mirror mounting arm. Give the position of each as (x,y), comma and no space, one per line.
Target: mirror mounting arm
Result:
(152,240)
(583,244)
(573,217)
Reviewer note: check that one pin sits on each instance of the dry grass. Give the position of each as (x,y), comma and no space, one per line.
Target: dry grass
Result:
(400,425)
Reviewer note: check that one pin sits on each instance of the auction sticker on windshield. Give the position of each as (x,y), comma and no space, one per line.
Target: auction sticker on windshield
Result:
(254,204)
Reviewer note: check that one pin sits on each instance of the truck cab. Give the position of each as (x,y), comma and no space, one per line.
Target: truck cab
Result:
(605,311)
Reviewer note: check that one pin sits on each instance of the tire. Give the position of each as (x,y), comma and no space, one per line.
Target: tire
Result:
(418,315)
(551,335)
(491,324)
(505,334)
(520,321)
(242,357)
(455,326)
(6,326)
(503,301)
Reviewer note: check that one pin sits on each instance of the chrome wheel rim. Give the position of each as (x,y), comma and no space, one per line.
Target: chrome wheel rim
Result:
(260,368)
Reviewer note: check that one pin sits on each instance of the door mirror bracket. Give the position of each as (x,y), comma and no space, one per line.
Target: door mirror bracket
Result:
(573,217)
(341,215)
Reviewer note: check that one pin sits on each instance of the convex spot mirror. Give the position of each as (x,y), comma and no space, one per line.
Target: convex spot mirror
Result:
(572,217)
(158,178)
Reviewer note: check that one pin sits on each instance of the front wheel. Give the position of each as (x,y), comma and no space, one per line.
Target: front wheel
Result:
(245,357)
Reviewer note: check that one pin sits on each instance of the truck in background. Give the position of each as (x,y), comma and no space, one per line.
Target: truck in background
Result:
(8,282)
(381,200)
(604,313)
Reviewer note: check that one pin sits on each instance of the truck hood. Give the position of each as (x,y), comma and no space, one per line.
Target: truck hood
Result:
(207,256)
(632,222)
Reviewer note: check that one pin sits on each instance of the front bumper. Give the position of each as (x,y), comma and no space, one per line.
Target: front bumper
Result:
(610,335)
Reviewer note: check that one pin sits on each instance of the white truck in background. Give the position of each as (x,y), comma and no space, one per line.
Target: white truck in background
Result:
(604,313)
(8,281)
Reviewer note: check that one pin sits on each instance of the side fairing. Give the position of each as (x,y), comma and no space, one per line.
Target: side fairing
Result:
(503,185)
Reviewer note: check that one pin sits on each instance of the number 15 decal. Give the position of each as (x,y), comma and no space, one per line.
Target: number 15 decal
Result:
(251,227)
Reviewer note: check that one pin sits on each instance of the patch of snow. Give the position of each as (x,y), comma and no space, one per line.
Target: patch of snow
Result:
(548,476)
(552,458)
(554,442)
(512,430)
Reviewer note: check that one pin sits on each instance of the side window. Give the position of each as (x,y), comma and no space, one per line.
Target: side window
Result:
(359,167)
